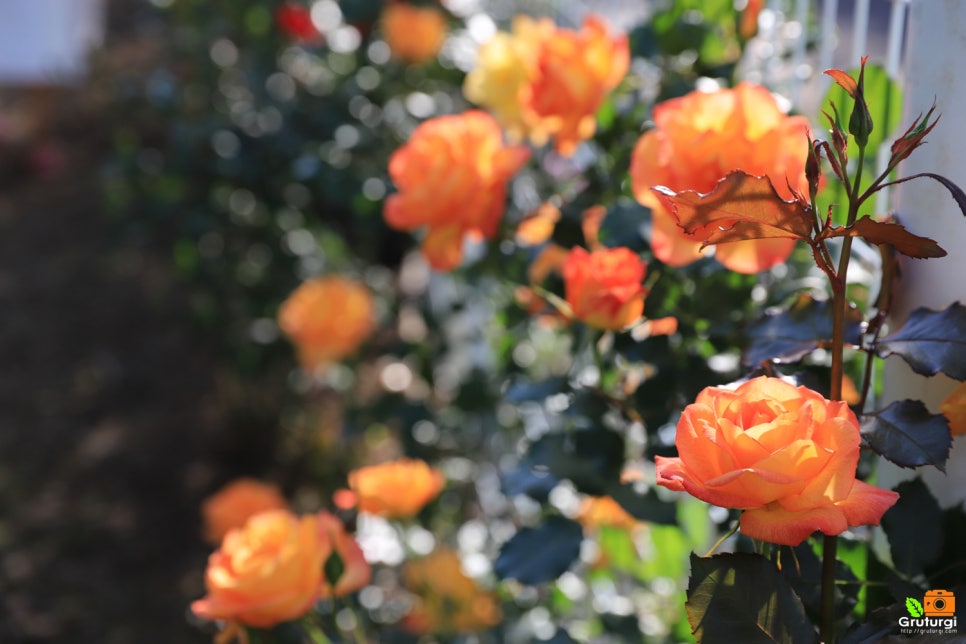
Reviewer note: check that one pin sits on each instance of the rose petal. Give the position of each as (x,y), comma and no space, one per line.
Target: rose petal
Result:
(866,504)
(777,525)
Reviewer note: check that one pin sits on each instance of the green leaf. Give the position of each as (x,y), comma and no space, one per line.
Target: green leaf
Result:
(536,555)
(914,607)
(930,341)
(643,506)
(742,597)
(624,225)
(333,568)
(909,435)
(788,335)
(801,566)
(914,528)
(592,459)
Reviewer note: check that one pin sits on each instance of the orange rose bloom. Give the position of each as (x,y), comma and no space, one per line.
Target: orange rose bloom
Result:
(603,287)
(267,572)
(327,319)
(414,34)
(604,511)
(355,570)
(954,408)
(449,601)
(701,137)
(272,569)
(783,454)
(235,503)
(544,81)
(396,490)
(452,177)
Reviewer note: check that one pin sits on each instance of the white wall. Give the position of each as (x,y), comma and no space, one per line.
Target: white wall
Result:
(934,70)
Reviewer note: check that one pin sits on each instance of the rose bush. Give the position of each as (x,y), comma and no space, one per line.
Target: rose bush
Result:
(783,454)
(697,140)
(603,287)
(327,319)
(452,176)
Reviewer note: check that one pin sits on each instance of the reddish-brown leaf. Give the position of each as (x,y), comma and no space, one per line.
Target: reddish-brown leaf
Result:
(845,81)
(742,206)
(895,235)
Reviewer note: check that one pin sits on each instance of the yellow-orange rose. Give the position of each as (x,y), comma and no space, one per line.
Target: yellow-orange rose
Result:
(545,81)
(448,601)
(452,176)
(267,572)
(396,490)
(954,409)
(505,64)
(783,454)
(603,287)
(232,505)
(327,319)
(414,34)
(697,140)
(354,571)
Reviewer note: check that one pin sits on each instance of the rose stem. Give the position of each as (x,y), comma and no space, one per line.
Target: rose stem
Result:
(839,304)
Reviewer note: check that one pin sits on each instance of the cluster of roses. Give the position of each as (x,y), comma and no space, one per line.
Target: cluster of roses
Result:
(274,566)
(414,33)
(783,454)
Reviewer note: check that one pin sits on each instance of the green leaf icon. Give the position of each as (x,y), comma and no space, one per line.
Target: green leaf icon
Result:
(914,607)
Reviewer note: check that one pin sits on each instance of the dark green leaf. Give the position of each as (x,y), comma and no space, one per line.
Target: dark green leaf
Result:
(802,568)
(624,225)
(931,341)
(743,598)
(947,569)
(954,189)
(880,622)
(788,335)
(525,390)
(536,555)
(914,528)
(535,481)
(644,506)
(592,459)
(333,568)
(909,435)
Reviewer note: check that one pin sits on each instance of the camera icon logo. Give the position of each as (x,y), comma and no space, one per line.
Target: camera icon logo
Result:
(939,603)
